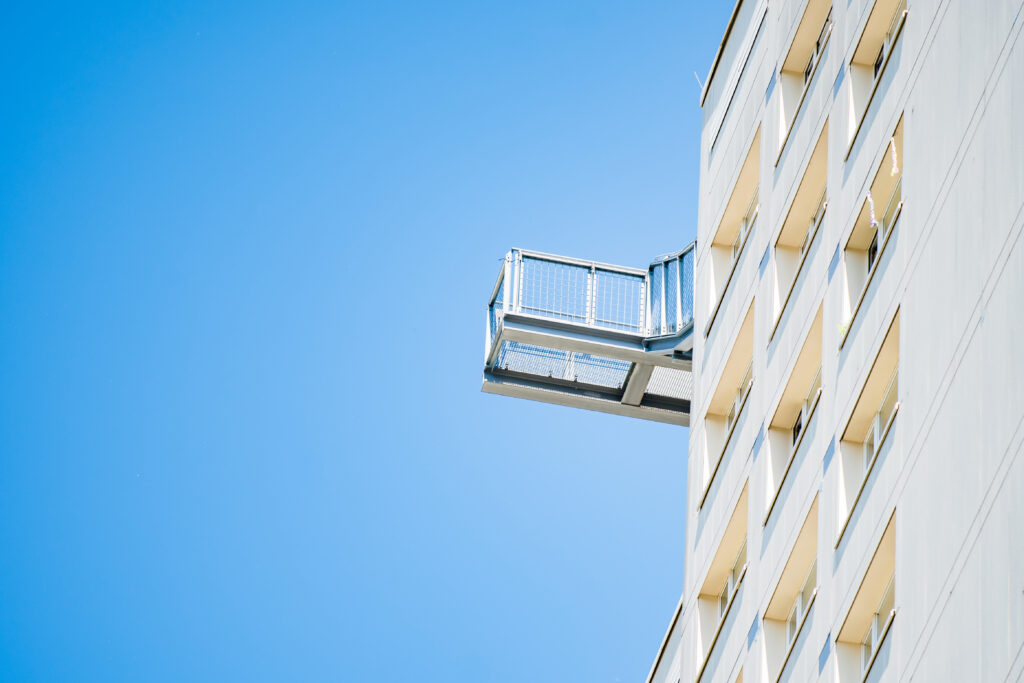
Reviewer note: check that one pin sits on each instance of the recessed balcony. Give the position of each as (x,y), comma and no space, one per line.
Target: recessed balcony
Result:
(592,335)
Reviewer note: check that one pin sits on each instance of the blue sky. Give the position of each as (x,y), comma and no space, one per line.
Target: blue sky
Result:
(245,252)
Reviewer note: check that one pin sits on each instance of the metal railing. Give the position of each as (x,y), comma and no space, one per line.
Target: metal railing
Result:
(670,283)
(655,302)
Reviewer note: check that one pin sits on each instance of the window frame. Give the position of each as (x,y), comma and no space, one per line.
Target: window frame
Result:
(799,627)
(808,416)
(876,430)
(728,608)
(812,233)
(893,33)
(816,55)
(739,404)
(878,630)
(880,438)
(807,408)
(750,218)
(883,243)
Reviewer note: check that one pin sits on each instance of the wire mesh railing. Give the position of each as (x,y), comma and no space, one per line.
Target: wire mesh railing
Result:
(670,279)
(553,289)
(571,366)
(655,302)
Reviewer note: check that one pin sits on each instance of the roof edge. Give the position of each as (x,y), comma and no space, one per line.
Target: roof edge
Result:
(721,49)
(668,634)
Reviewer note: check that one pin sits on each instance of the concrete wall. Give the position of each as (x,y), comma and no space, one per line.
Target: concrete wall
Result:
(951,470)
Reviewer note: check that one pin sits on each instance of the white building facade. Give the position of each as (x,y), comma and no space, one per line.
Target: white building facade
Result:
(855,491)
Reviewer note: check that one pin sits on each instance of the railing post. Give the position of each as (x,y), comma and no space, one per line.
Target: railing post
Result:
(591,294)
(506,298)
(643,306)
(664,291)
(517,270)
(487,336)
(679,293)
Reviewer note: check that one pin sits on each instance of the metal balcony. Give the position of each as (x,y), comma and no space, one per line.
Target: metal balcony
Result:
(592,335)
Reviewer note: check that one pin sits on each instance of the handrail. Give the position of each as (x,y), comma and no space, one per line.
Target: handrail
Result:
(571,260)
(595,295)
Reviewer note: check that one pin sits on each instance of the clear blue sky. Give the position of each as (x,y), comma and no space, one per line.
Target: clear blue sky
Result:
(245,251)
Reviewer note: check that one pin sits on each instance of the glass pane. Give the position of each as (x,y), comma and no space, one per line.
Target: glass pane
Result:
(815,385)
(888,406)
(891,33)
(890,209)
(872,250)
(741,558)
(869,446)
(824,30)
(751,215)
(888,602)
(809,584)
(747,376)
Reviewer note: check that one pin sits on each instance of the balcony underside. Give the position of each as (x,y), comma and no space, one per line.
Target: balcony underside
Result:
(597,369)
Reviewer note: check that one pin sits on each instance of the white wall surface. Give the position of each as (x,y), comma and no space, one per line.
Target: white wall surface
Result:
(952,468)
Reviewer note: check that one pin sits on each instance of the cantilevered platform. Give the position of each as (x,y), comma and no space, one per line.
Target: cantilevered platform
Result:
(592,335)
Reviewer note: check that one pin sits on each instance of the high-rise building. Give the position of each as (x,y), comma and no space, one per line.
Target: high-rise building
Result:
(849,362)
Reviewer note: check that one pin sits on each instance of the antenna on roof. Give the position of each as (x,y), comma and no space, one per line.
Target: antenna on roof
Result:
(699,84)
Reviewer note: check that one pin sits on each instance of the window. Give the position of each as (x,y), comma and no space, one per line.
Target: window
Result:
(895,23)
(819,45)
(801,604)
(801,63)
(726,408)
(746,225)
(877,47)
(878,627)
(721,587)
(804,217)
(879,229)
(872,249)
(866,432)
(879,424)
(735,573)
(792,423)
(869,620)
(819,214)
(878,218)
(737,224)
(805,408)
(741,396)
(793,598)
